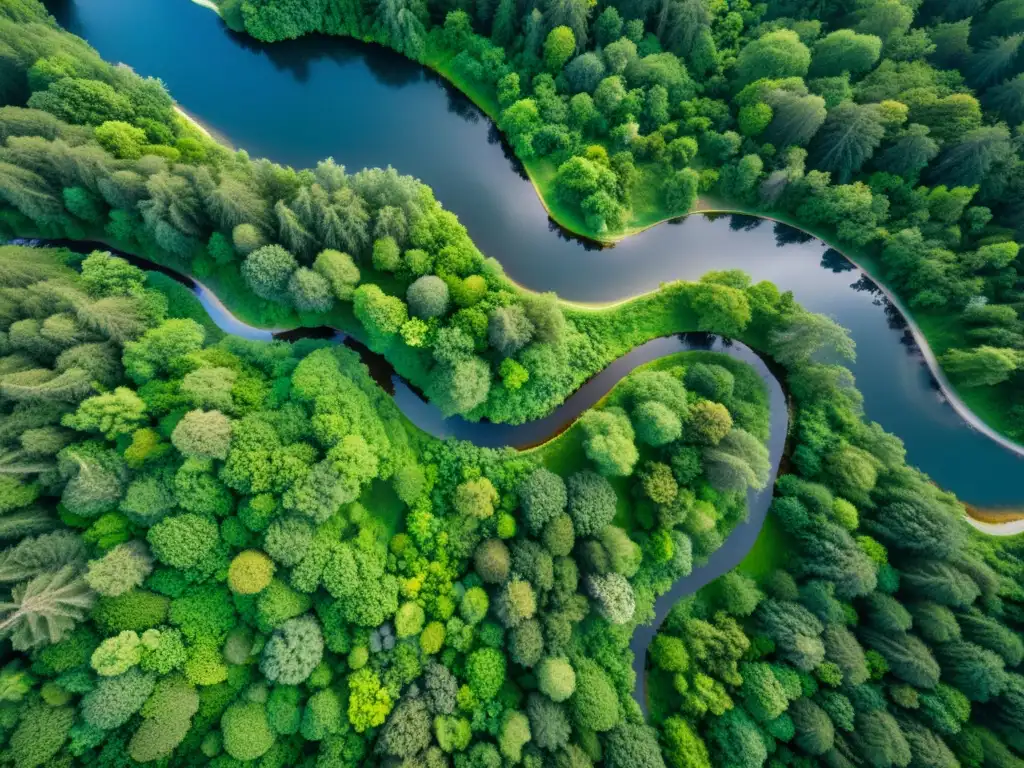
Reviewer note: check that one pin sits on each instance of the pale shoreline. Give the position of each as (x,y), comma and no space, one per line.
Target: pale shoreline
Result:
(192,120)
(208,4)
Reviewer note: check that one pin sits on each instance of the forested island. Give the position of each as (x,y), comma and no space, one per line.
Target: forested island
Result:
(227,552)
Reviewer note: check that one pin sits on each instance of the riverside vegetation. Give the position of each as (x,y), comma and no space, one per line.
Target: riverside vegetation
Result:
(226,552)
(890,127)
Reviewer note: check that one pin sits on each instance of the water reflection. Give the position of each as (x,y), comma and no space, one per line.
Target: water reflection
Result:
(787,235)
(739,222)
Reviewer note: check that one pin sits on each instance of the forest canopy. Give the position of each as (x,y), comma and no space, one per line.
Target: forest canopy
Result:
(221,551)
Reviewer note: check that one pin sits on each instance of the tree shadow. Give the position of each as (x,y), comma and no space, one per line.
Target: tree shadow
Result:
(834,261)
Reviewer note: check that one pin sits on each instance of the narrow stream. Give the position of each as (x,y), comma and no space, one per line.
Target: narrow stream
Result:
(428,418)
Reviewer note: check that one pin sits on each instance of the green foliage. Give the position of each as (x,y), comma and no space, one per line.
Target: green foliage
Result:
(340,272)
(368,703)
(203,435)
(542,495)
(293,651)
(45,608)
(250,572)
(41,733)
(594,705)
(182,541)
(116,655)
(558,47)
(246,729)
(268,270)
(491,561)
(609,441)
(115,699)
(279,442)
(485,672)
(591,502)
(381,315)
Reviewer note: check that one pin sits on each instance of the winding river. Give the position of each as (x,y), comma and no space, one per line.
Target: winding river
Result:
(298,102)
(427,417)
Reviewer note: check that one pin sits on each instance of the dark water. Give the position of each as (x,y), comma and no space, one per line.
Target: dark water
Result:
(298,102)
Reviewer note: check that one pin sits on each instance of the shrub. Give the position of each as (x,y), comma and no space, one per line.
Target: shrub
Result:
(116,655)
(293,651)
(609,441)
(203,434)
(340,272)
(516,603)
(556,678)
(267,271)
(137,610)
(288,539)
(492,561)
(559,536)
(527,643)
(476,498)
(115,699)
(595,706)
(474,605)
(250,572)
(428,297)
(485,671)
(708,423)
(120,570)
(182,541)
(246,238)
(656,424)
(40,735)
(542,495)
(246,729)
(514,734)
(509,329)
(432,638)
(409,620)
(322,716)
(591,502)
(386,255)
(310,291)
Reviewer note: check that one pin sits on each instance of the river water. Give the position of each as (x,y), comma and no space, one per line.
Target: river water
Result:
(298,102)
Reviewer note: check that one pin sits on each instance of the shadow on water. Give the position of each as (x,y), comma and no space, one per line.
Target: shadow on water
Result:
(832,260)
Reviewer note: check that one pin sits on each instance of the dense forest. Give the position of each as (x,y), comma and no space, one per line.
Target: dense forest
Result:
(890,126)
(224,552)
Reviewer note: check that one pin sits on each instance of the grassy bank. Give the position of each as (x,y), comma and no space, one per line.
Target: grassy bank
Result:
(646,211)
